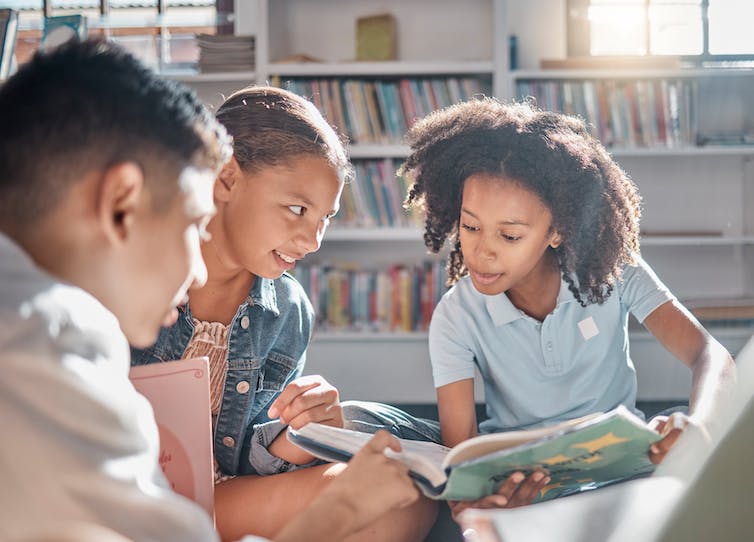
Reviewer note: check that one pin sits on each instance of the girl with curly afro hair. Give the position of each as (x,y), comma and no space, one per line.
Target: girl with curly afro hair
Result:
(544,264)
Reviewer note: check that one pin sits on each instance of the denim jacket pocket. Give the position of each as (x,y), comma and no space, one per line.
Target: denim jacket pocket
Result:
(276,371)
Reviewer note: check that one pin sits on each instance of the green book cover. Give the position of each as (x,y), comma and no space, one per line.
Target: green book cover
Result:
(579,455)
(602,450)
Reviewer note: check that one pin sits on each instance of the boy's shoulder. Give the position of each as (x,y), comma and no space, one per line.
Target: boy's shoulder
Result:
(34,302)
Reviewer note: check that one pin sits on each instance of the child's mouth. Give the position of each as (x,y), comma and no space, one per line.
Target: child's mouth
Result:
(485,278)
(284,261)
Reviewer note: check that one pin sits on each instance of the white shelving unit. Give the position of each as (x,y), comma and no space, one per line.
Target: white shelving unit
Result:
(686,189)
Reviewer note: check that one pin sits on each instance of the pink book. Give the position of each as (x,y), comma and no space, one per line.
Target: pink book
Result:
(179,394)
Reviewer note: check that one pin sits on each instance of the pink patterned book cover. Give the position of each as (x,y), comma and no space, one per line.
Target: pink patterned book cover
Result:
(179,394)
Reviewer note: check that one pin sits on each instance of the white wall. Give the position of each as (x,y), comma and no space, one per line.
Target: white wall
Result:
(539,26)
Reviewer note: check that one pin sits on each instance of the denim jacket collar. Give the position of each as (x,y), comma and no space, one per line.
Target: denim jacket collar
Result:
(263,295)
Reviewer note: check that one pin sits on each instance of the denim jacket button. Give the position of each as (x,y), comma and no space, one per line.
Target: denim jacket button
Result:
(229,442)
(242,387)
(245,322)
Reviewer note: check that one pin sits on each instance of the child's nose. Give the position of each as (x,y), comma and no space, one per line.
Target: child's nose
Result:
(310,238)
(485,248)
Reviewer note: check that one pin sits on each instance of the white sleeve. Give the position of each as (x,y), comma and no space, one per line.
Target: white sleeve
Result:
(451,357)
(641,290)
(81,445)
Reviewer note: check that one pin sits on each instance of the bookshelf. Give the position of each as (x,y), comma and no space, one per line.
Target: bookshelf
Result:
(698,200)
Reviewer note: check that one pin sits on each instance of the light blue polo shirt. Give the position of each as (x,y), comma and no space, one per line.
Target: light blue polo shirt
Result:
(573,363)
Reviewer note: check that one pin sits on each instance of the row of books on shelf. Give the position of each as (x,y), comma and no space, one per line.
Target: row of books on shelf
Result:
(621,112)
(398,298)
(375,197)
(382,110)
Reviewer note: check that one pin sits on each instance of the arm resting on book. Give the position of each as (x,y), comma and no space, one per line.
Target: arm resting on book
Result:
(713,370)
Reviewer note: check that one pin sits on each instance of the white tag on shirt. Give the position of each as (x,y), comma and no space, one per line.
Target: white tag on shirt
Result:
(588,328)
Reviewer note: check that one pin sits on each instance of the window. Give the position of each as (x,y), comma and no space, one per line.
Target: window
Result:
(160,32)
(698,30)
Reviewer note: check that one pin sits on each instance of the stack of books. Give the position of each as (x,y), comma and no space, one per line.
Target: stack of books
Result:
(226,53)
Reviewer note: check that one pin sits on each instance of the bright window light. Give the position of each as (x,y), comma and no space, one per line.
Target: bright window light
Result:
(618,28)
(675,28)
(730,30)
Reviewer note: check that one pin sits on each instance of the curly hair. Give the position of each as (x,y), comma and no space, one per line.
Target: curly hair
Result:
(595,206)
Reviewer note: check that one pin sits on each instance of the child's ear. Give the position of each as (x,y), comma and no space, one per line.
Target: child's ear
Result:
(555,240)
(229,175)
(120,191)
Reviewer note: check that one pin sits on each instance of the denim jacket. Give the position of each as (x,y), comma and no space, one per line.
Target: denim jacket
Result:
(267,344)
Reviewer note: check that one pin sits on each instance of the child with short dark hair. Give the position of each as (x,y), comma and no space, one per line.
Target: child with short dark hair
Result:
(545,268)
(106,179)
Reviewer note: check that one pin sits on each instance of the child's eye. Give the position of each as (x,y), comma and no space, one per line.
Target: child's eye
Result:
(510,237)
(469,227)
(299,210)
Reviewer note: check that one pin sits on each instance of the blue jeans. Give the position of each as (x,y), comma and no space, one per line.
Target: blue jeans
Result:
(369,417)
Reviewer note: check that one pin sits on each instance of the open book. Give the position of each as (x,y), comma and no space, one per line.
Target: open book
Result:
(579,455)
(179,394)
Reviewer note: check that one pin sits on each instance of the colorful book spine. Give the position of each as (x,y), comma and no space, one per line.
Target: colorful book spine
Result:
(646,113)
(400,297)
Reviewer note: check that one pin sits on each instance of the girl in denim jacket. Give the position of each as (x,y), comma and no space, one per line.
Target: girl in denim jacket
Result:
(253,321)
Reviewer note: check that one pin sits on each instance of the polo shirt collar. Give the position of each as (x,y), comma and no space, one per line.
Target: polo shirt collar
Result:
(503,311)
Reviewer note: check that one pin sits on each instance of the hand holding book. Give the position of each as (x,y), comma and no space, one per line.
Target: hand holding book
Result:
(578,455)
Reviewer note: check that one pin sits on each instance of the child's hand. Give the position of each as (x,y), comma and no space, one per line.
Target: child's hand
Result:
(370,486)
(373,483)
(517,490)
(670,428)
(308,399)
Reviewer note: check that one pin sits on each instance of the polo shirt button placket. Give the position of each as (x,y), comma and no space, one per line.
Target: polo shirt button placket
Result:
(548,349)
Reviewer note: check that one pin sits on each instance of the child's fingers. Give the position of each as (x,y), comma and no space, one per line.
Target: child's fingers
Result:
(322,412)
(381,440)
(490,501)
(674,425)
(659,450)
(677,420)
(510,485)
(528,490)
(292,391)
(320,404)
(657,423)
